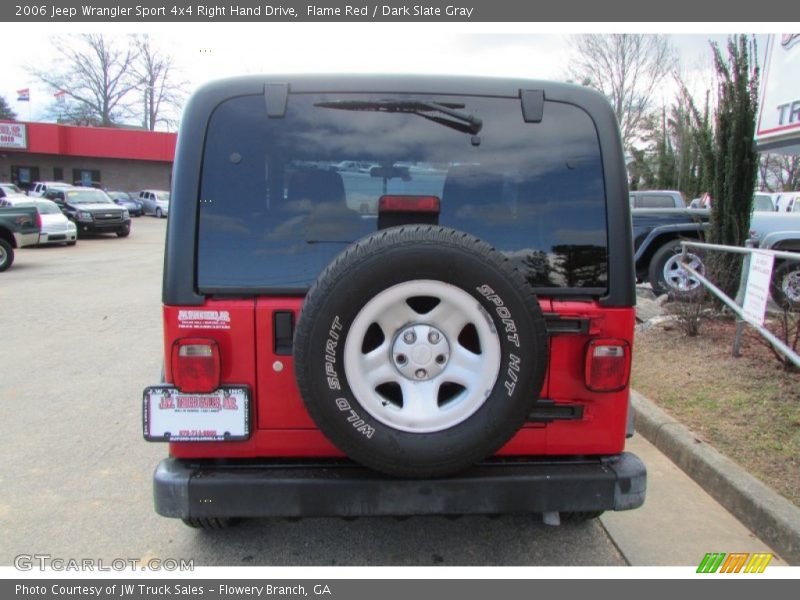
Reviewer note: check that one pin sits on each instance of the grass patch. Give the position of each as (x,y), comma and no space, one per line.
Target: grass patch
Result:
(748,407)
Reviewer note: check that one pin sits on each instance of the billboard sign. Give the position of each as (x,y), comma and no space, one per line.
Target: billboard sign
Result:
(779,109)
(13,136)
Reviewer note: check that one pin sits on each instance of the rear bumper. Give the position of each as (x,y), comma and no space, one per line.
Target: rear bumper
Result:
(188,488)
(58,237)
(23,240)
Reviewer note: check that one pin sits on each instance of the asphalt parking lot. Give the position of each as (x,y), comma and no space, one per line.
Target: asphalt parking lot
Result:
(81,328)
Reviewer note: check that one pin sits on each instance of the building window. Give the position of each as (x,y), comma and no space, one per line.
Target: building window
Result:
(24,177)
(58,174)
(86,177)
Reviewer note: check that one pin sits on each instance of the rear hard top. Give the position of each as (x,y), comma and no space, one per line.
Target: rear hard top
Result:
(275,176)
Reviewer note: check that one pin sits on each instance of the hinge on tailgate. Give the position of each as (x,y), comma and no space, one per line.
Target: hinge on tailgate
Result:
(546,411)
(556,324)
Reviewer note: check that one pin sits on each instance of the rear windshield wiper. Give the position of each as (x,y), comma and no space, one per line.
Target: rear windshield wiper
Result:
(463,122)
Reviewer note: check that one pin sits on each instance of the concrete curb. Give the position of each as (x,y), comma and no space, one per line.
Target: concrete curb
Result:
(762,510)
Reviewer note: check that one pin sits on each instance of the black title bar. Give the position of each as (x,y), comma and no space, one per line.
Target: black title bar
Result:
(626,11)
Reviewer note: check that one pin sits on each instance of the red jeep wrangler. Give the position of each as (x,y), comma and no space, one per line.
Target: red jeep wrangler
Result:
(396,296)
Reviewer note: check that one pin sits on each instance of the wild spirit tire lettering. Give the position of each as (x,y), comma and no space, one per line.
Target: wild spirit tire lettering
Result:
(331,343)
(354,419)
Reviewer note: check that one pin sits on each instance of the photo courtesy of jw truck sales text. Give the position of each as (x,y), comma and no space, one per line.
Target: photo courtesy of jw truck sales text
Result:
(137,590)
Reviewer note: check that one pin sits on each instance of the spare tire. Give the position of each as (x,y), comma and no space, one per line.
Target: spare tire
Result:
(420,350)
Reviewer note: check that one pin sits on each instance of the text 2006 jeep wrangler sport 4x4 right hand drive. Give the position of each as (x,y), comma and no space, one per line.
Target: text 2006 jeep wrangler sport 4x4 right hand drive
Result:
(396,296)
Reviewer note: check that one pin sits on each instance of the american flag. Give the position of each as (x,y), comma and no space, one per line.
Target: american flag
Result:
(60,96)
(24,95)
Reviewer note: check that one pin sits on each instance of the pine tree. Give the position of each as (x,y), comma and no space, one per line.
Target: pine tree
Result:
(727,156)
(5,110)
(735,164)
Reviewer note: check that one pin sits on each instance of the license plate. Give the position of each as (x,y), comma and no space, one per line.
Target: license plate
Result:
(173,416)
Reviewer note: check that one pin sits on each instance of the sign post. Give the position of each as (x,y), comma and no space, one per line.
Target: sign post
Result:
(756,293)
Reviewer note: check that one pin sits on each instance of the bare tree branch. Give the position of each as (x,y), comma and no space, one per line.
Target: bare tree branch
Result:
(163,96)
(627,69)
(780,172)
(95,75)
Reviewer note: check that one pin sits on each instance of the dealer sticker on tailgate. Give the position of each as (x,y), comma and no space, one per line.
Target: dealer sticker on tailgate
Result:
(174,416)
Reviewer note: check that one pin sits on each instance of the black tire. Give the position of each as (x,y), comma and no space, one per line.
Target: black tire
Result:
(124,232)
(71,243)
(656,275)
(159,214)
(579,516)
(209,522)
(449,259)
(6,255)
(785,285)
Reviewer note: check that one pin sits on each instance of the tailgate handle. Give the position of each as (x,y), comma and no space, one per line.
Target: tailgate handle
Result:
(283,332)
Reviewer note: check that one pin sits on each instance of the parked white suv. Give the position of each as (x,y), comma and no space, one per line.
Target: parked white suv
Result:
(789,202)
(155,202)
(39,188)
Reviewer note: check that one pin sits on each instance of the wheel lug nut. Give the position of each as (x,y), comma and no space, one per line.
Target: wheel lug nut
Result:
(401,359)
(440,359)
(433,337)
(421,373)
(409,337)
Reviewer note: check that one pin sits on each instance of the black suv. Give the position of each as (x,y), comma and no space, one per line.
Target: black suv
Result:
(396,295)
(91,210)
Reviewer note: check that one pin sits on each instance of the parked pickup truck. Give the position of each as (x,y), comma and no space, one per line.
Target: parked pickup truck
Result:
(780,231)
(656,199)
(657,235)
(19,227)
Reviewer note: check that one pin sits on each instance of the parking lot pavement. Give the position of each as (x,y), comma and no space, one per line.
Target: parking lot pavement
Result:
(679,523)
(82,333)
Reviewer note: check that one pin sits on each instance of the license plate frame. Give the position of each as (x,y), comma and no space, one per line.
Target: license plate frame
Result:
(169,415)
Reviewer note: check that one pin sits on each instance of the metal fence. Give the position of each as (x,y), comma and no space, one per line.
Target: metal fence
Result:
(776,342)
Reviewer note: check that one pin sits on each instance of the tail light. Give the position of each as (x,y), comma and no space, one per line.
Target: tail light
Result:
(394,210)
(608,365)
(196,365)
(39,220)
(414,204)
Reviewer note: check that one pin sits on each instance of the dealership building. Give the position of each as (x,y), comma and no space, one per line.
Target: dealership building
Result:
(119,159)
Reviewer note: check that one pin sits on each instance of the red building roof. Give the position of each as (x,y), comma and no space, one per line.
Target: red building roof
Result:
(100,142)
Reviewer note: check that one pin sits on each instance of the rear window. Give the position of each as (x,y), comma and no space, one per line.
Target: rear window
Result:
(45,207)
(652,201)
(281,197)
(762,203)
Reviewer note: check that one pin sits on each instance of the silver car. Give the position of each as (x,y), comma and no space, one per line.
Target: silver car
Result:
(56,228)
